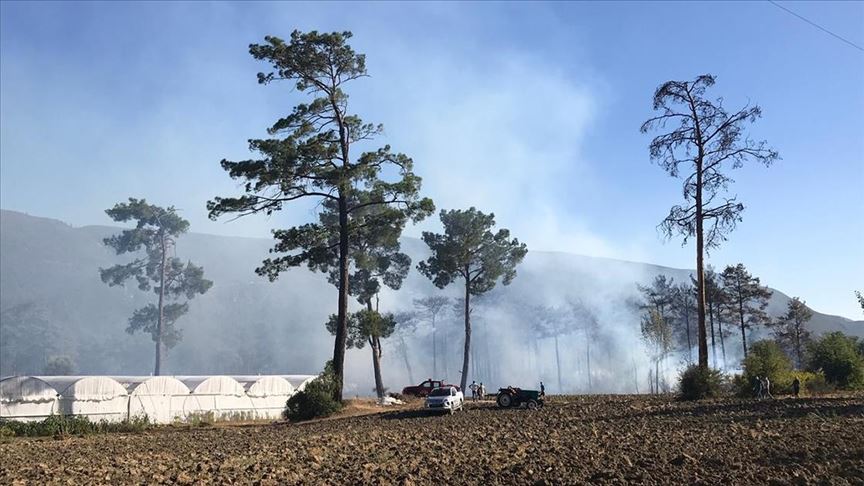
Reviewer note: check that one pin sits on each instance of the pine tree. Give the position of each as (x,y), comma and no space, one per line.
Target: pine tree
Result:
(706,141)
(431,308)
(313,160)
(156,230)
(469,249)
(791,330)
(747,299)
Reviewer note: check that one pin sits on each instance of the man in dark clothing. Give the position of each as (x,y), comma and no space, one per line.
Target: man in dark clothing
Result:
(542,389)
(796,386)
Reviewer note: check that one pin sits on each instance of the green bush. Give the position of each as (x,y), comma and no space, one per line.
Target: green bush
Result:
(838,357)
(62,425)
(696,383)
(316,400)
(815,384)
(765,358)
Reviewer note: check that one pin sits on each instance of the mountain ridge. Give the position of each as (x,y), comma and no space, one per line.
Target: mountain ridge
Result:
(247,324)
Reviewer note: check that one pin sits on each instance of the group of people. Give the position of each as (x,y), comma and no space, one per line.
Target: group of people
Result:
(762,387)
(477,391)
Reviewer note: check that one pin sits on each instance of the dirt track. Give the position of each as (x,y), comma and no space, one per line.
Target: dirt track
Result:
(573,440)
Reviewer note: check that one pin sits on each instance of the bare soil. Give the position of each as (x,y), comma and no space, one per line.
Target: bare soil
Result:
(573,440)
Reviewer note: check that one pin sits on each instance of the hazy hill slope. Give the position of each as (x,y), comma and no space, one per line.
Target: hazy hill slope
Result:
(246,324)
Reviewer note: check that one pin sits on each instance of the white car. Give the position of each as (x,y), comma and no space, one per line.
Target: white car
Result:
(445,399)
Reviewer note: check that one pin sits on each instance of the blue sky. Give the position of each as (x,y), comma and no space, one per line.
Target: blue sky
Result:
(530,110)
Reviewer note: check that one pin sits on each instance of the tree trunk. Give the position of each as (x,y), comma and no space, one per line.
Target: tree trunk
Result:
(588,359)
(376,365)
(713,344)
(445,353)
(657,375)
(434,349)
(558,363)
(743,327)
(687,324)
(158,367)
(403,349)
(722,341)
(467,352)
(700,244)
(798,345)
(342,314)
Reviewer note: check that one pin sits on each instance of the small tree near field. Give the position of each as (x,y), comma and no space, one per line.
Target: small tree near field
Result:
(838,356)
(174,282)
(791,329)
(747,299)
(469,250)
(766,358)
(368,326)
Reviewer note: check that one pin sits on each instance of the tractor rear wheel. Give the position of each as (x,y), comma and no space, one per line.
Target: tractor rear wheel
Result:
(505,400)
(533,405)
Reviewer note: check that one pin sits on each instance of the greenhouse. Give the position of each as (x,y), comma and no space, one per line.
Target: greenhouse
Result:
(268,394)
(27,398)
(160,398)
(95,397)
(163,399)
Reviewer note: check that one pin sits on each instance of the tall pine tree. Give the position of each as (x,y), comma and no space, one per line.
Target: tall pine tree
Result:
(309,155)
(705,142)
(173,282)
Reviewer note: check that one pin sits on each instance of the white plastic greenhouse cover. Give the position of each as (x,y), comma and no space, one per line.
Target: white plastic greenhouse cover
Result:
(219,397)
(96,397)
(269,395)
(267,386)
(299,382)
(163,399)
(160,398)
(26,398)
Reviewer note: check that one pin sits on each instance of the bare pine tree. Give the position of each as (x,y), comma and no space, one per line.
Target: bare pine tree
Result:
(705,142)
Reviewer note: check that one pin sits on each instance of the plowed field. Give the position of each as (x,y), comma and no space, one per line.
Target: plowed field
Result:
(601,439)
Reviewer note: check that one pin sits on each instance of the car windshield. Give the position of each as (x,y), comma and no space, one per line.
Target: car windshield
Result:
(440,392)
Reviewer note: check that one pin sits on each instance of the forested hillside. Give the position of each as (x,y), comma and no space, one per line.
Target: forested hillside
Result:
(54,303)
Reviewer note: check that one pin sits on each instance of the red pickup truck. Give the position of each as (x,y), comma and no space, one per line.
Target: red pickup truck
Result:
(423,389)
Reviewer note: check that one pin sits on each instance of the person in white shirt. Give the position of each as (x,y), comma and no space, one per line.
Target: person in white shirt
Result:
(473,387)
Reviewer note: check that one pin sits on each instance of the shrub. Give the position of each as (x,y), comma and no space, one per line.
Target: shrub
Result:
(316,400)
(815,384)
(766,358)
(837,356)
(696,383)
(63,425)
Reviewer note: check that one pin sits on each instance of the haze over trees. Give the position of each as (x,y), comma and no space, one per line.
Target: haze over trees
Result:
(468,249)
(552,323)
(705,142)
(313,159)
(791,330)
(747,299)
(159,269)
(431,308)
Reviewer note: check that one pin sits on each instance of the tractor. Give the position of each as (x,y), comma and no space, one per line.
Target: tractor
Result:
(511,397)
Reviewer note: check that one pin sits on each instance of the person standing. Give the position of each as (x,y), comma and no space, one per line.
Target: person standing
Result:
(473,387)
(543,390)
(766,386)
(757,388)
(482,390)
(796,386)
